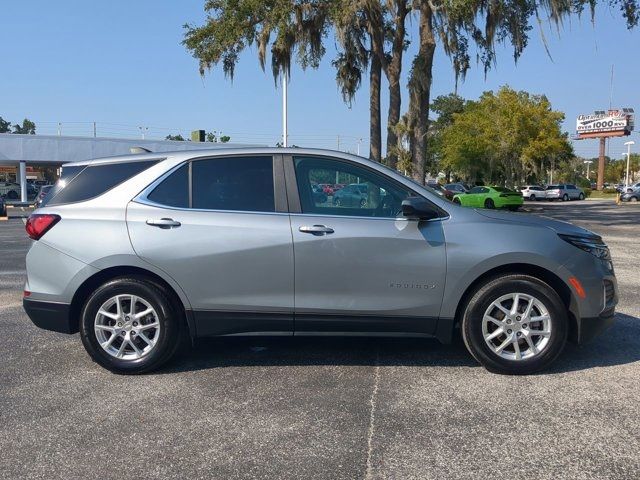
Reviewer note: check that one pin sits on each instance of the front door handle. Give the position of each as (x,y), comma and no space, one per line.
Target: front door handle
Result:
(164,223)
(316,229)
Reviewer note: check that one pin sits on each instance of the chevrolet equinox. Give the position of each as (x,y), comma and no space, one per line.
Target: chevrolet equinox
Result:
(143,253)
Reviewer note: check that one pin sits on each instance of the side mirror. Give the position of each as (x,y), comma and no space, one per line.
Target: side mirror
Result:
(419,208)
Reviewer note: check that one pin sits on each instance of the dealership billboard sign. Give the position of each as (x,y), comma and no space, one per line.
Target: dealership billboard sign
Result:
(606,122)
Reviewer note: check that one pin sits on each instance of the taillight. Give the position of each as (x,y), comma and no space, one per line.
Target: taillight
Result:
(39,223)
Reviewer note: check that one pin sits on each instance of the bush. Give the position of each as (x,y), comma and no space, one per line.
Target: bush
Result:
(609,190)
(584,183)
(587,192)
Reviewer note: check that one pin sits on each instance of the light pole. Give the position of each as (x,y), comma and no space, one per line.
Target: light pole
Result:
(626,180)
(285,100)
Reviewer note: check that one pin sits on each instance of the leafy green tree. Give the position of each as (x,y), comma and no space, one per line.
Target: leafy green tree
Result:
(457,24)
(27,127)
(444,106)
(505,136)
(5,126)
(176,138)
(216,137)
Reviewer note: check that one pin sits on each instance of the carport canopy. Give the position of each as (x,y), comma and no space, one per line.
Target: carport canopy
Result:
(50,150)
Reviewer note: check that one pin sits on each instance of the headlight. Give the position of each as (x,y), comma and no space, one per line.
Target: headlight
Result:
(591,244)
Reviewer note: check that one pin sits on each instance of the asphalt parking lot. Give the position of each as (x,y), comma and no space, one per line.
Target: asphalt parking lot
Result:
(324,408)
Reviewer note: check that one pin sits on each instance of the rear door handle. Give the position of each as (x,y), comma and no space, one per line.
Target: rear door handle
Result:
(316,229)
(164,223)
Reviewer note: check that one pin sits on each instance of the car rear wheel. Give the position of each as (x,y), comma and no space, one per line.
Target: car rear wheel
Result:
(515,324)
(457,201)
(532,197)
(337,202)
(488,203)
(581,196)
(129,325)
(633,199)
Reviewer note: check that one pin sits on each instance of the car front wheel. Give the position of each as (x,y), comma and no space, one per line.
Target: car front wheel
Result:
(565,198)
(515,324)
(128,325)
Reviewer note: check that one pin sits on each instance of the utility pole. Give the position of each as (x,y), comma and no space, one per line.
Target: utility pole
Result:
(94,130)
(338,148)
(359,141)
(285,133)
(59,129)
(603,143)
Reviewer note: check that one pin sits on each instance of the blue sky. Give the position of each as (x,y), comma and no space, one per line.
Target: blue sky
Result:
(121,64)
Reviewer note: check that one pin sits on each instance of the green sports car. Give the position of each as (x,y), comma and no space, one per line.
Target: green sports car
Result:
(490,197)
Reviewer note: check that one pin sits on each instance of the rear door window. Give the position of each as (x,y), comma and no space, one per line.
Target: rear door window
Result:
(173,191)
(233,183)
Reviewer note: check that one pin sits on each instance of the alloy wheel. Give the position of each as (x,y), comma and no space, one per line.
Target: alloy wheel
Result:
(517,326)
(127,327)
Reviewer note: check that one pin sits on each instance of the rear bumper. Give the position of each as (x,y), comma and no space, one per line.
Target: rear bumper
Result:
(50,315)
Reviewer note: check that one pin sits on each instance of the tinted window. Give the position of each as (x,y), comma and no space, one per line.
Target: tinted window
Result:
(367,194)
(233,183)
(571,187)
(553,187)
(173,191)
(95,180)
(476,190)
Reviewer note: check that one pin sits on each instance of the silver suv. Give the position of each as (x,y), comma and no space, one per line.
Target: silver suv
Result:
(564,192)
(142,254)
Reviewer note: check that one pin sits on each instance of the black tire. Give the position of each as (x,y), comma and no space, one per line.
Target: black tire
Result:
(337,202)
(170,336)
(12,195)
(581,197)
(481,300)
(457,201)
(532,197)
(633,199)
(363,203)
(488,203)
(565,198)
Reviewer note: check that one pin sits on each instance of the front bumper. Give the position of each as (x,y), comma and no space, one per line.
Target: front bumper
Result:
(50,315)
(590,327)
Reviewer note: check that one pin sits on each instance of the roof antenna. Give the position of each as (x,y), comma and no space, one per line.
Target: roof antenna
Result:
(139,150)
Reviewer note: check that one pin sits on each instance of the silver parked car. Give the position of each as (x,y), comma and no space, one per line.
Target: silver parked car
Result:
(533,192)
(142,253)
(564,192)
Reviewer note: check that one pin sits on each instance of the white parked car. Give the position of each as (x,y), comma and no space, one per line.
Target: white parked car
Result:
(533,192)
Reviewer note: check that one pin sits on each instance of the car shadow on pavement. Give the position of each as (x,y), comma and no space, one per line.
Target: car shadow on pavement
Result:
(619,345)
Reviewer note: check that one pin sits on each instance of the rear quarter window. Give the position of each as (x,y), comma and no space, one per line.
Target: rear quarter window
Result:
(94,180)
